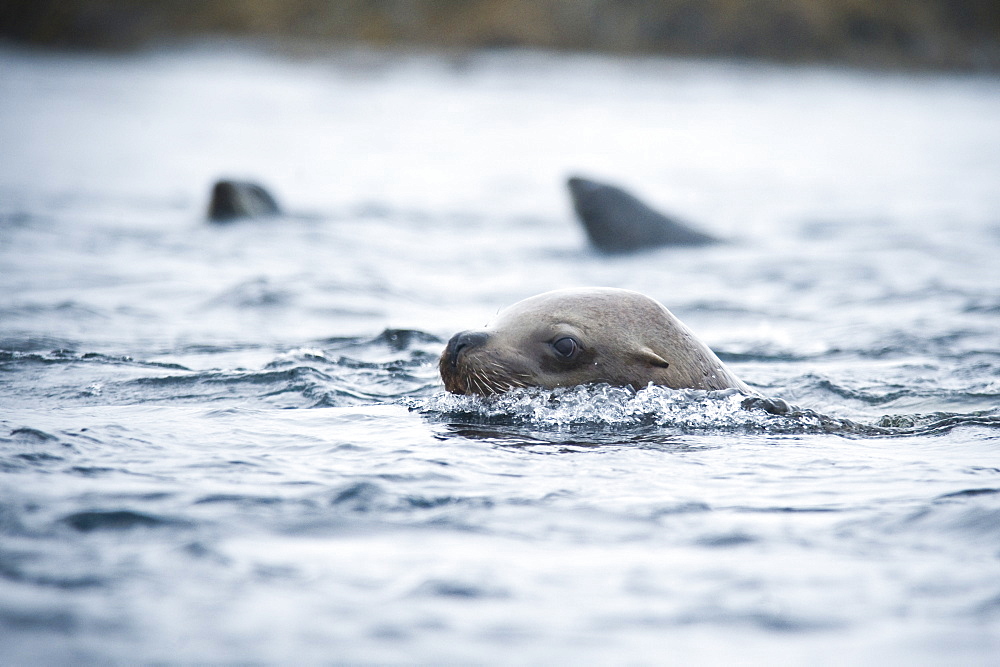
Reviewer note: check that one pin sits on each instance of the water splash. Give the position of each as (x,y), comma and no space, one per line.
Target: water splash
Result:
(677,410)
(601,405)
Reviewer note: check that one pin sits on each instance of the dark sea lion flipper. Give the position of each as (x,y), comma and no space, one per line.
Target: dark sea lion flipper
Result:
(618,222)
(232,200)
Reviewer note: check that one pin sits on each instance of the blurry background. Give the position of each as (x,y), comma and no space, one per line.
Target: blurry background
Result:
(229,443)
(939,33)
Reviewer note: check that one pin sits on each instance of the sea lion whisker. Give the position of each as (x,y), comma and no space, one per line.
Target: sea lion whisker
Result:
(483,386)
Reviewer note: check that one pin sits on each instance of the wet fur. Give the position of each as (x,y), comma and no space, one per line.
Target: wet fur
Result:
(627,339)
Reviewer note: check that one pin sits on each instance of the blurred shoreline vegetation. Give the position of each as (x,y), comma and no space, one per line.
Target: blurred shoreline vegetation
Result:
(938,34)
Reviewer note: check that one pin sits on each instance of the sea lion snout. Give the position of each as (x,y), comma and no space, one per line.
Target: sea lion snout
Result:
(462,342)
(460,371)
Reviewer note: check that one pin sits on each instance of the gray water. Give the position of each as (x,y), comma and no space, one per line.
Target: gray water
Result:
(230,443)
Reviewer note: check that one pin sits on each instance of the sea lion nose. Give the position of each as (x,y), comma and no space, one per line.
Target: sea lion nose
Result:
(463,341)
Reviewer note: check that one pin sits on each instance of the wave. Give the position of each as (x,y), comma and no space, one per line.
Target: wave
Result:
(395,340)
(116,520)
(341,383)
(69,356)
(600,407)
(811,386)
(400,365)
(66,310)
(340,372)
(899,346)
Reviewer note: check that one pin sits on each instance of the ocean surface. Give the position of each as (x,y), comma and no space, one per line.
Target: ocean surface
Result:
(230,444)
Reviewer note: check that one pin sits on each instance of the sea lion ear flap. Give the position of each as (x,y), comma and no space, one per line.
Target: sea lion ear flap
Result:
(651,358)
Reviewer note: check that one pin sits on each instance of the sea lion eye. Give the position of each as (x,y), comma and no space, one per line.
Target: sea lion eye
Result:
(566,347)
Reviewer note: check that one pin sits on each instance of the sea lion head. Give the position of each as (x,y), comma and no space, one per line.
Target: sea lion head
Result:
(232,200)
(579,336)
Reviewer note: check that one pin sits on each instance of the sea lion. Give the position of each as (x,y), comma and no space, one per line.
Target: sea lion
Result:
(240,199)
(578,336)
(617,222)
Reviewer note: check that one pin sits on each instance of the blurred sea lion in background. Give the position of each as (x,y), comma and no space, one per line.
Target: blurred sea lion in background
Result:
(232,200)
(579,336)
(617,222)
